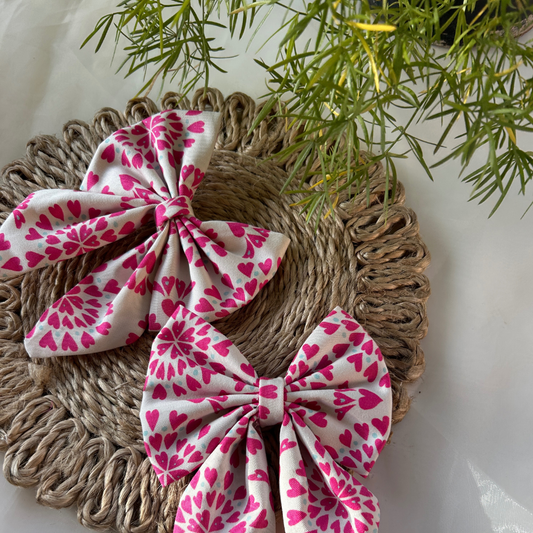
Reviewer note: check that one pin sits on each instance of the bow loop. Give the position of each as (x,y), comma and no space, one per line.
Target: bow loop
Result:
(213,406)
(140,173)
(340,383)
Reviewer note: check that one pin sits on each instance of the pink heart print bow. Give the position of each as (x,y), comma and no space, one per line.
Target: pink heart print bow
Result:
(204,406)
(147,171)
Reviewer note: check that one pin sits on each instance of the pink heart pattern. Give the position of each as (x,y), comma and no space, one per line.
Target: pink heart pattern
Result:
(147,171)
(322,403)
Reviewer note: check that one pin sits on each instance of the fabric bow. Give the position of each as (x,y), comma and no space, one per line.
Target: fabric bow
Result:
(148,171)
(203,408)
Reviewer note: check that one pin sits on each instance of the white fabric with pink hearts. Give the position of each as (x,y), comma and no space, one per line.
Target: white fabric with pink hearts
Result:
(204,406)
(145,172)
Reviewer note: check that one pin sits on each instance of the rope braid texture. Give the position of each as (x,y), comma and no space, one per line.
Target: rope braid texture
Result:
(70,425)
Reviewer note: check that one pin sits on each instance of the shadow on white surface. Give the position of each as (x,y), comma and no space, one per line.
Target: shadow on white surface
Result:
(424,484)
(506,515)
(20,513)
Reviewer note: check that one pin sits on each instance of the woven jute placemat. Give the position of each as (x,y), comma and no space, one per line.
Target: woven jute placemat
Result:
(70,426)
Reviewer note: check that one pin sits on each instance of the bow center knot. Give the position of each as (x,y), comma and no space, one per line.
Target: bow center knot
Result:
(171,208)
(271,401)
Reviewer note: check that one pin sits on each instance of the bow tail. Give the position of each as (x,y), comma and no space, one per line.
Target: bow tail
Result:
(53,225)
(84,320)
(173,283)
(231,492)
(316,493)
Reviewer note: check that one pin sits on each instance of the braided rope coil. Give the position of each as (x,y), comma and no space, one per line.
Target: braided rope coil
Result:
(70,425)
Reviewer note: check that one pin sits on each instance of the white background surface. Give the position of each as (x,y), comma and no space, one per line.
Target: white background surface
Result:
(461,460)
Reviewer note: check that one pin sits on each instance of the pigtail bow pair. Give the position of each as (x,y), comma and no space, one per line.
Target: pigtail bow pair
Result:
(203,404)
